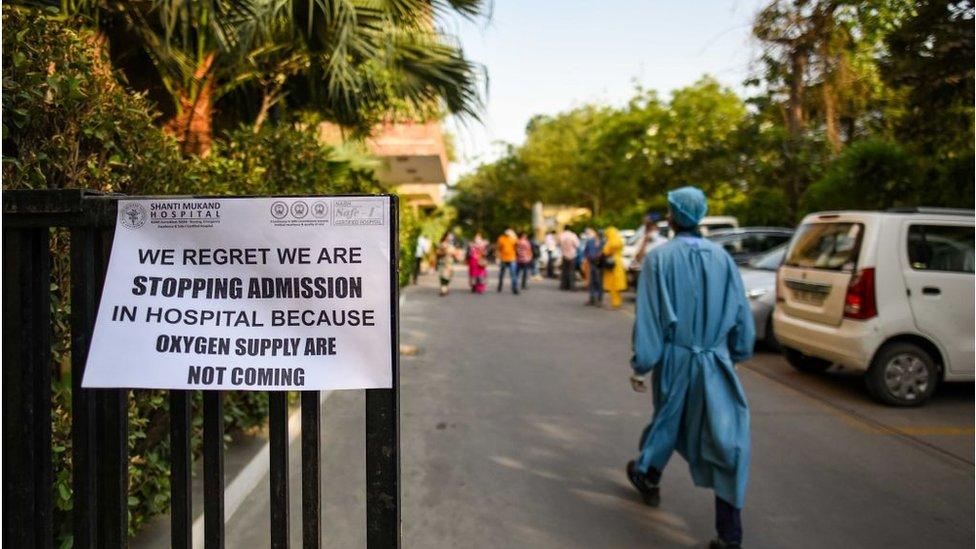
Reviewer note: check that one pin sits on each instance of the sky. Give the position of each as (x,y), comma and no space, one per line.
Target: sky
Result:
(548,56)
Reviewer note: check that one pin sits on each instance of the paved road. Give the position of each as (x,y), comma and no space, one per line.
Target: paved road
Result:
(518,418)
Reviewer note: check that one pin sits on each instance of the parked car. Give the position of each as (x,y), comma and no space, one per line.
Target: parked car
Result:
(887,293)
(630,245)
(759,279)
(708,225)
(749,242)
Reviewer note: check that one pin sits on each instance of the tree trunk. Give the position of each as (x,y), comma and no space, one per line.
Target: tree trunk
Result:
(267,101)
(832,128)
(193,124)
(798,66)
(796,119)
(850,128)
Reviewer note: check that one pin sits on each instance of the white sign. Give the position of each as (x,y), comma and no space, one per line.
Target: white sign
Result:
(247,294)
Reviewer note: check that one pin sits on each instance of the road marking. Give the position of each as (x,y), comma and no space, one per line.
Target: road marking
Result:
(869,425)
(936,431)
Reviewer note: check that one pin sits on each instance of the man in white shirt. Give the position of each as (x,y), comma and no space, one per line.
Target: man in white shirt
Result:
(423,247)
(568,246)
(550,248)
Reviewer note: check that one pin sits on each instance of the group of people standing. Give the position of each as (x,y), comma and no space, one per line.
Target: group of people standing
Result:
(517,258)
(598,257)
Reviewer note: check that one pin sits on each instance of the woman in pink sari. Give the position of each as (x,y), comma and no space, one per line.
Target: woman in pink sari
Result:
(478,264)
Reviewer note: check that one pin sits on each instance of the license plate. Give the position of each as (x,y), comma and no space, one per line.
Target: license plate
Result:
(808,297)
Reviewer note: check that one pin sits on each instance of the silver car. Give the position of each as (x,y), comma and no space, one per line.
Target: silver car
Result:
(759,279)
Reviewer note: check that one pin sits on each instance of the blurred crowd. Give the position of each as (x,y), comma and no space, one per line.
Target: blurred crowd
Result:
(593,259)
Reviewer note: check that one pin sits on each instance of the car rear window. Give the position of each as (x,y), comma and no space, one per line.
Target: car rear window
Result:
(831,246)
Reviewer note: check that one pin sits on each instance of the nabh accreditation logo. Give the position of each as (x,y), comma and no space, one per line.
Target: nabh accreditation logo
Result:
(133,216)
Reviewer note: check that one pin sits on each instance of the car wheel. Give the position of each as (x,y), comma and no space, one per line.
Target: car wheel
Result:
(804,363)
(902,374)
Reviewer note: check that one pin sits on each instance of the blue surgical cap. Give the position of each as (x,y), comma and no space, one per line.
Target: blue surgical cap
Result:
(688,206)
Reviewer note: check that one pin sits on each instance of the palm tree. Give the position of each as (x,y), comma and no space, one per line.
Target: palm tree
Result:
(348,59)
(403,68)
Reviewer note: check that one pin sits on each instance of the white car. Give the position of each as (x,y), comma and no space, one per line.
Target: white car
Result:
(708,225)
(759,280)
(888,293)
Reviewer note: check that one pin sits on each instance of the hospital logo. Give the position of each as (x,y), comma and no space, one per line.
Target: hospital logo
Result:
(133,216)
(279,210)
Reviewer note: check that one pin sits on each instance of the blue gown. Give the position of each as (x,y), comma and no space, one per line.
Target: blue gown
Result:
(693,324)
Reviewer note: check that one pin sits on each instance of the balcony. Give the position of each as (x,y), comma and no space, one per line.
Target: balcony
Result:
(414,159)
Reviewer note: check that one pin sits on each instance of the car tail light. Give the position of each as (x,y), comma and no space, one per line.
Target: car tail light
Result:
(860,303)
(779,297)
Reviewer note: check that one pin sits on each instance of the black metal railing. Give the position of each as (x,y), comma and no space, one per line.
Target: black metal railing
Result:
(99,416)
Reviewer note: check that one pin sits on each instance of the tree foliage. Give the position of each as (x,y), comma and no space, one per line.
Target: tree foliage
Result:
(857,104)
(931,60)
(355,62)
(871,174)
(609,159)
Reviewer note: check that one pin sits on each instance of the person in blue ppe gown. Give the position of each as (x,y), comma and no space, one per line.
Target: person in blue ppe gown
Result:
(693,325)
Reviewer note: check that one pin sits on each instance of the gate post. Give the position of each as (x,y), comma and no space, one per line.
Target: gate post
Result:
(27,466)
(383,424)
(84,303)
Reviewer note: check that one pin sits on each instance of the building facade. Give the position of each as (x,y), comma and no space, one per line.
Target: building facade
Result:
(414,159)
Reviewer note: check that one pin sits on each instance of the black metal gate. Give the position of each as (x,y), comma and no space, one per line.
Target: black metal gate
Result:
(99,416)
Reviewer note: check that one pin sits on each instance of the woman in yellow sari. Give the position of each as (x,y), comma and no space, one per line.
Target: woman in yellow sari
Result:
(614,276)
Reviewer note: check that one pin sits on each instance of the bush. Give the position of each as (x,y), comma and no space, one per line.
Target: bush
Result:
(67,122)
(412,225)
(949,181)
(763,206)
(410,229)
(868,175)
(279,159)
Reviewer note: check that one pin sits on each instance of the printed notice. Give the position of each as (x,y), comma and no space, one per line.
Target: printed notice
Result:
(247,294)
